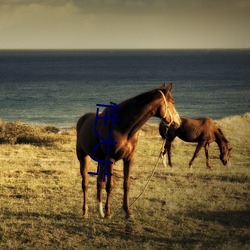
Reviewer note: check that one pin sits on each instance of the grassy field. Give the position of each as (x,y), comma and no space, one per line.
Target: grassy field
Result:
(41,197)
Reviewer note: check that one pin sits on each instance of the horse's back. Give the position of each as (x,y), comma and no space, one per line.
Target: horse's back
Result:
(209,125)
(208,129)
(195,130)
(206,122)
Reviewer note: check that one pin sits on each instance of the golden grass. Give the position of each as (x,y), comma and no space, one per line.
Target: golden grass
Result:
(41,198)
(21,133)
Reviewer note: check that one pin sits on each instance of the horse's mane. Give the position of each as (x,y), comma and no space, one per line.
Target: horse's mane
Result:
(219,135)
(143,97)
(137,100)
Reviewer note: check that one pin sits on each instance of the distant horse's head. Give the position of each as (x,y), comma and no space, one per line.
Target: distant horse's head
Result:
(224,149)
(224,157)
(167,111)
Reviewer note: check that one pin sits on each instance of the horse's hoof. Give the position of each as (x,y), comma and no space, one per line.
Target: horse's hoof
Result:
(85,216)
(108,216)
(130,216)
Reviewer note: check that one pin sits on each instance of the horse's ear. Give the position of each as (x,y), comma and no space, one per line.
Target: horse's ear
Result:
(163,86)
(169,88)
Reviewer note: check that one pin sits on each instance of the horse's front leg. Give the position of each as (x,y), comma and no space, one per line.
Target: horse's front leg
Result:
(169,147)
(207,155)
(126,185)
(100,185)
(197,150)
(109,187)
(163,152)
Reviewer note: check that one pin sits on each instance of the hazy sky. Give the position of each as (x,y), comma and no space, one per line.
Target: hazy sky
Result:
(91,24)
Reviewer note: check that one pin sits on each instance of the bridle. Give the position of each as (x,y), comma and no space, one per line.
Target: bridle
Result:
(167,110)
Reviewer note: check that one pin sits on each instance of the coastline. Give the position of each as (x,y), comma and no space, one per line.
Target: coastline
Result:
(152,121)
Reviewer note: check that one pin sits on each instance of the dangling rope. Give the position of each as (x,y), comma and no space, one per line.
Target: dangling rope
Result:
(150,177)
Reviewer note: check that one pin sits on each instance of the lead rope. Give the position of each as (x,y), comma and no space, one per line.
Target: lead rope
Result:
(150,177)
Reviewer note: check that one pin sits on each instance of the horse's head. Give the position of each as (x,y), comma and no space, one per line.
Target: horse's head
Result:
(223,144)
(225,155)
(167,111)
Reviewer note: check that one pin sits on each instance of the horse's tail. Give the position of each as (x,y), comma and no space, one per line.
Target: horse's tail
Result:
(79,124)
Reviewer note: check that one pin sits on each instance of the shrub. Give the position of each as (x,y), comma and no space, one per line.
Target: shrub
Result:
(52,129)
(21,133)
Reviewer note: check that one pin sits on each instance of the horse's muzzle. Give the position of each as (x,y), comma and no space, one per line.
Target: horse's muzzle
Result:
(176,121)
(225,163)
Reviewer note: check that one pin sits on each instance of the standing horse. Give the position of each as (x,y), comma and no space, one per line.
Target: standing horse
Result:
(132,114)
(203,131)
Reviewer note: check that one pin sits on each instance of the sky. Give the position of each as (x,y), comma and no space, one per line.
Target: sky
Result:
(124,24)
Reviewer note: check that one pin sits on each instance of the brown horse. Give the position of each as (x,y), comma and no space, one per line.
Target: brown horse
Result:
(132,114)
(203,131)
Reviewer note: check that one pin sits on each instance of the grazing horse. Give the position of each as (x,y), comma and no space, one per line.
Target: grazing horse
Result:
(132,114)
(203,131)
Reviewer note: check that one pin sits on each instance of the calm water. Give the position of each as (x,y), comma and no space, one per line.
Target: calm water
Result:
(57,87)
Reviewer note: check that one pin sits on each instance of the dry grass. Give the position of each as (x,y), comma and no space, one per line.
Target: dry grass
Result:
(21,133)
(41,198)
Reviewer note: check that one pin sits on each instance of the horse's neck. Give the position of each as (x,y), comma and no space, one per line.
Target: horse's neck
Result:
(138,123)
(221,141)
(134,114)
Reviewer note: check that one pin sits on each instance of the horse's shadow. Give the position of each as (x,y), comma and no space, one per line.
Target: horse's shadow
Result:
(236,219)
(96,228)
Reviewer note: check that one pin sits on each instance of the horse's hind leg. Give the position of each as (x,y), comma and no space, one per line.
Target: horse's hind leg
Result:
(196,152)
(84,164)
(109,187)
(100,185)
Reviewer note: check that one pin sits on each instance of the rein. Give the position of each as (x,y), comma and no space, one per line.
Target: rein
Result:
(149,178)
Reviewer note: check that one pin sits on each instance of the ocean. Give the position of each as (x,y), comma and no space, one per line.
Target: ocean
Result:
(57,87)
